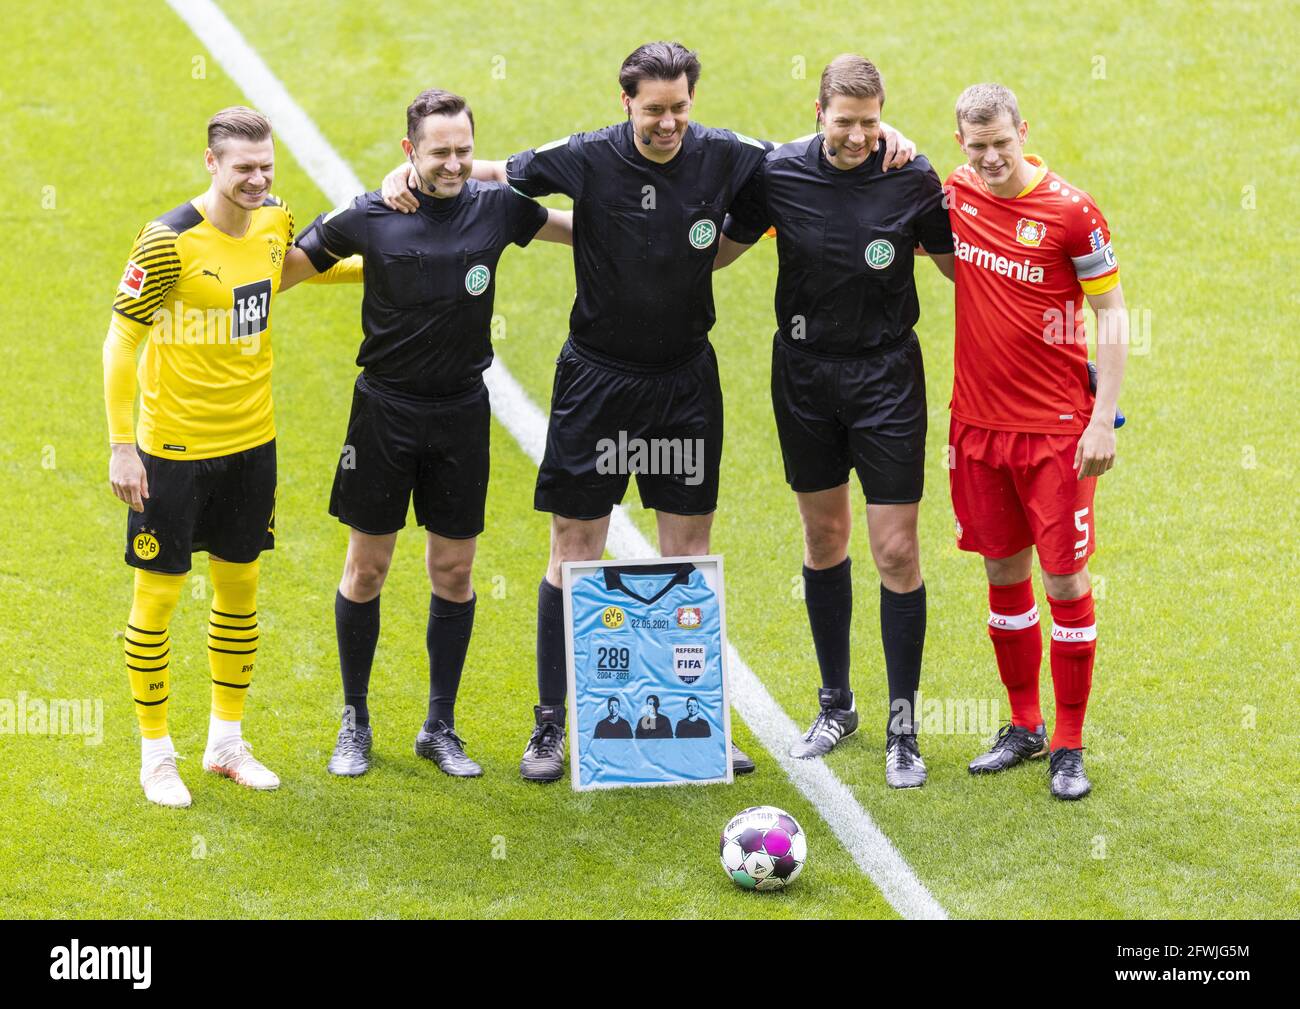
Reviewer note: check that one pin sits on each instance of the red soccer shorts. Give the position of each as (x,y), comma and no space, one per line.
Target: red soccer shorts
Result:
(1011,489)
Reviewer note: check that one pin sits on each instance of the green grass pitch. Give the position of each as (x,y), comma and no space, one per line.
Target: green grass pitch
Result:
(1179,120)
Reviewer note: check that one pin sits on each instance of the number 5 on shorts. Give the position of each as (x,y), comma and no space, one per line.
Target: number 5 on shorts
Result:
(1081,524)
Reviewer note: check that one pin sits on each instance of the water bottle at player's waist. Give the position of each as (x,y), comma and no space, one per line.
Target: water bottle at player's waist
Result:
(1092,385)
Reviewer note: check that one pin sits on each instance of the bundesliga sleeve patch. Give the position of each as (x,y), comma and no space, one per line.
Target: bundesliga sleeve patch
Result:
(133,279)
(336,211)
(748,140)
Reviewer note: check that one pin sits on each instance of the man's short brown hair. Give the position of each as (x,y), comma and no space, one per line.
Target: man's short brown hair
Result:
(238,122)
(981,104)
(853,76)
(435,102)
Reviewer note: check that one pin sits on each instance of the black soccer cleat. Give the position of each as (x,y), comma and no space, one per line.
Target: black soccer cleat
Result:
(832,724)
(904,767)
(1066,769)
(1013,745)
(740,763)
(447,750)
(543,758)
(351,757)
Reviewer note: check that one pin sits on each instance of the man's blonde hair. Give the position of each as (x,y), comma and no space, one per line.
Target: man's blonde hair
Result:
(851,75)
(981,104)
(237,122)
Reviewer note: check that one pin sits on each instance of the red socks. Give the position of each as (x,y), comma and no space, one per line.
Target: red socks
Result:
(1018,644)
(1074,646)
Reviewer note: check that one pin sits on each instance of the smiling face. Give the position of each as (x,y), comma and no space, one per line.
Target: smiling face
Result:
(659,112)
(242,171)
(692,707)
(851,127)
(613,709)
(443,154)
(996,150)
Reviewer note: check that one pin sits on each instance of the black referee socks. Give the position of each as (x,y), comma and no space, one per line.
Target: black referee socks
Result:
(828,594)
(552,672)
(450,625)
(902,635)
(357,628)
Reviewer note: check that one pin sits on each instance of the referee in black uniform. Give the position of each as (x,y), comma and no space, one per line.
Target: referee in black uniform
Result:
(420,418)
(848,386)
(650,195)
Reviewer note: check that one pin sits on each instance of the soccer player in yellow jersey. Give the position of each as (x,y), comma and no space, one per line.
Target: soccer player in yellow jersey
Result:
(198,471)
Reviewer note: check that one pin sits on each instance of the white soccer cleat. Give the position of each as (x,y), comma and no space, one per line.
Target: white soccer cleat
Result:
(235,760)
(162,783)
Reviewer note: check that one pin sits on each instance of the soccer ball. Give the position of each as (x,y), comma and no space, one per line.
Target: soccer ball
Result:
(763,848)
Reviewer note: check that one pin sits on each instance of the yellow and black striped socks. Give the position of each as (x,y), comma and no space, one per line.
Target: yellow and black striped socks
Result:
(232,636)
(148,648)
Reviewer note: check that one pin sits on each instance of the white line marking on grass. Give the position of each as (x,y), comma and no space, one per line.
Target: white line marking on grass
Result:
(871,849)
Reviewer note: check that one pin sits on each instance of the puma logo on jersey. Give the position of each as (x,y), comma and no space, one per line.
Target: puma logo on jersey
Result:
(217,275)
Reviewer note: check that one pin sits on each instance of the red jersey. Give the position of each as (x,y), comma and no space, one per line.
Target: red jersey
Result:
(1023,265)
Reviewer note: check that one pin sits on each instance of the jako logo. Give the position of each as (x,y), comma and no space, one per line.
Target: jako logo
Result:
(1074,634)
(682,457)
(102,963)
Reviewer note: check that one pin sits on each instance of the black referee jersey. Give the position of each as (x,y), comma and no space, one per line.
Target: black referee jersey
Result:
(430,280)
(844,244)
(644,234)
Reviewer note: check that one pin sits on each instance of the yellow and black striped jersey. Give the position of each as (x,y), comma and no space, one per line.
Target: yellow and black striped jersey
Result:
(203,301)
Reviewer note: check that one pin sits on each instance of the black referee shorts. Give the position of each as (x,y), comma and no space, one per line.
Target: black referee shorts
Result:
(224,505)
(400,445)
(866,413)
(610,419)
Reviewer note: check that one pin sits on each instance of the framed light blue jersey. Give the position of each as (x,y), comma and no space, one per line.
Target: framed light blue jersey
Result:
(647,651)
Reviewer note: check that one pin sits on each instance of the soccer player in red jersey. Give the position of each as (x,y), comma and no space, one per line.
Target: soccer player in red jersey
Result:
(1028,435)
